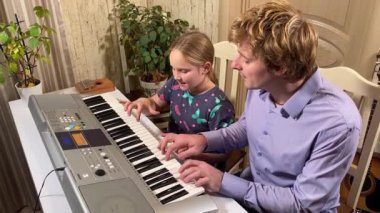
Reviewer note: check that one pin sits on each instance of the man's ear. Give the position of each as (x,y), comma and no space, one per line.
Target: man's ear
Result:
(280,71)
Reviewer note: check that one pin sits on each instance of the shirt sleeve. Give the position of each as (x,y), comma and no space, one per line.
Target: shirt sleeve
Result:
(222,115)
(164,93)
(233,137)
(329,161)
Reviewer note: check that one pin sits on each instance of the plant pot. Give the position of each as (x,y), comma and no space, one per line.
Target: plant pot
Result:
(24,93)
(151,88)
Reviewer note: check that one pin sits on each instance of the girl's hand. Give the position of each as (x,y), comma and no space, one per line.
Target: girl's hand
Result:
(142,105)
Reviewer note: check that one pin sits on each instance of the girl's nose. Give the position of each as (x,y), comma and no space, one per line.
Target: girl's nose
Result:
(176,75)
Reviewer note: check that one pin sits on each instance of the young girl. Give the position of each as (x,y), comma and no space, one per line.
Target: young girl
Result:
(196,104)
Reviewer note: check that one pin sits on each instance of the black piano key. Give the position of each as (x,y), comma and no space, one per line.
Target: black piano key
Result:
(107,116)
(134,149)
(174,196)
(100,107)
(94,101)
(149,167)
(129,144)
(105,113)
(124,142)
(141,156)
(119,129)
(163,183)
(154,174)
(127,140)
(122,134)
(95,98)
(113,123)
(146,163)
(169,191)
(140,147)
(159,178)
(139,152)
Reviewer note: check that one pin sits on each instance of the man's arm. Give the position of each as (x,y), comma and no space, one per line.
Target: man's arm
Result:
(227,139)
(313,189)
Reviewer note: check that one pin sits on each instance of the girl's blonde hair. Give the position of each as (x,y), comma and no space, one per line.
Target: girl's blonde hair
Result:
(280,36)
(197,49)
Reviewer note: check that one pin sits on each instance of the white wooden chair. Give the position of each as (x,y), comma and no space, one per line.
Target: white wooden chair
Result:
(363,92)
(225,52)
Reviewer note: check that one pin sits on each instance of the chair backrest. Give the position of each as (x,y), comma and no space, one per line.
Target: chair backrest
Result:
(362,91)
(225,52)
(228,78)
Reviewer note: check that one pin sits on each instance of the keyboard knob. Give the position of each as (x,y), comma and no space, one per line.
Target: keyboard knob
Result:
(100,172)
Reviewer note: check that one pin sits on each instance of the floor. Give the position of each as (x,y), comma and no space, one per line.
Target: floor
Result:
(375,171)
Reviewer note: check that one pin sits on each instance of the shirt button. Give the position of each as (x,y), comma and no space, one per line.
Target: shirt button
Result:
(258,173)
(259,154)
(265,132)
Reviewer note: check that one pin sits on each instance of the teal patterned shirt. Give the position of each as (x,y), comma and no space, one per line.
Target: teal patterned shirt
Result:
(193,114)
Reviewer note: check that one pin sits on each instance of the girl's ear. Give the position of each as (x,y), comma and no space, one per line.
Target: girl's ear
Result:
(207,67)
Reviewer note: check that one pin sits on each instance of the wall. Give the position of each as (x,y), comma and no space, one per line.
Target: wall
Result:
(92,39)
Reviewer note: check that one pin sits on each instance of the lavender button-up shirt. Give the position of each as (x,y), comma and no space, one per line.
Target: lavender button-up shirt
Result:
(298,154)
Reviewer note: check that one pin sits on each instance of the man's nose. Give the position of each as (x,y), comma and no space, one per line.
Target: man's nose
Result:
(235,64)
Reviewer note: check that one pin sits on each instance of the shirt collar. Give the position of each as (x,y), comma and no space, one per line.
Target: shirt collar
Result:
(297,102)
(301,98)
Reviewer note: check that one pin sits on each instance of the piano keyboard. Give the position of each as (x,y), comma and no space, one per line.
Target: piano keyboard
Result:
(139,147)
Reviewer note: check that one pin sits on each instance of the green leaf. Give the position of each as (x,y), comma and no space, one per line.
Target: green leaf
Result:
(33,43)
(160,29)
(162,65)
(12,28)
(35,30)
(3,37)
(41,12)
(12,67)
(152,35)
(147,59)
(153,53)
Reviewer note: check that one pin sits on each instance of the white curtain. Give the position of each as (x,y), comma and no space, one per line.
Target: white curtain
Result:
(16,186)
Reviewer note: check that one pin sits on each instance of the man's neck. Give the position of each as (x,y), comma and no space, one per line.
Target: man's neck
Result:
(283,90)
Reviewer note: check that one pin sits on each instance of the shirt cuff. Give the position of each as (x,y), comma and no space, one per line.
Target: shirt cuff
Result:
(234,187)
(213,140)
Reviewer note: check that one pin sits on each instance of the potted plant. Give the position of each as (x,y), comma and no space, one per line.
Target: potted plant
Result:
(147,34)
(21,49)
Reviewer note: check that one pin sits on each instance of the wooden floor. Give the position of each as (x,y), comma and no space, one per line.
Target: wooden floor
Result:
(375,169)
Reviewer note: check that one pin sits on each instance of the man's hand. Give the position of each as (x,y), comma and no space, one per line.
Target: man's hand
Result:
(142,105)
(184,144)
(202,174)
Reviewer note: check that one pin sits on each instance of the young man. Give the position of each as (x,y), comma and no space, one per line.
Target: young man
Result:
(301,131)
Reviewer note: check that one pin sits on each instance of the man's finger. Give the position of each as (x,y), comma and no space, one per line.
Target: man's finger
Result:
(184,154)
(203,181)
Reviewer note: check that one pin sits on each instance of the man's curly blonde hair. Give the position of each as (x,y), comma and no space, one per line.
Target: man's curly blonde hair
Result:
(280,36)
